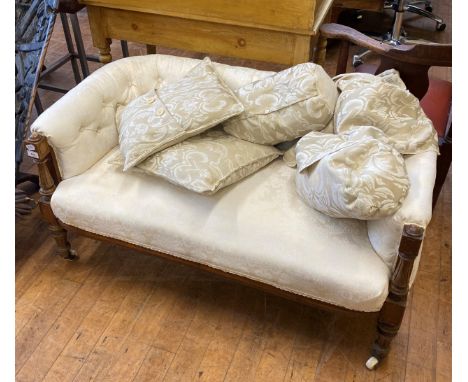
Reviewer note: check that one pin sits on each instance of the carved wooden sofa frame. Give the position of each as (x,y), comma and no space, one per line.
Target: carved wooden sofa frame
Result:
(392,311)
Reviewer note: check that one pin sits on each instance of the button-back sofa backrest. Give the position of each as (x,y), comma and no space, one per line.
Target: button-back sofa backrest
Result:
(84,135)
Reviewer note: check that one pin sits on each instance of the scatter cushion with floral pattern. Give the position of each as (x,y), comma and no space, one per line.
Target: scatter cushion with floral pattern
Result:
(284,106)
(383,102)
(207,162)
(358,174)
(174,112)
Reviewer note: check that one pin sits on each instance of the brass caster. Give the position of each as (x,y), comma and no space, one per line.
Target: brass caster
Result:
(71,256)
(372,363)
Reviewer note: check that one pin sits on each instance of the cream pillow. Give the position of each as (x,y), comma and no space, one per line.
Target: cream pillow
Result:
(284,106)
(289,157)
(207,162)
(176,111)
(354,175)
(383,102)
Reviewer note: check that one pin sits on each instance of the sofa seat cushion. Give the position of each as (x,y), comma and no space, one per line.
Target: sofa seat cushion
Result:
(257,228)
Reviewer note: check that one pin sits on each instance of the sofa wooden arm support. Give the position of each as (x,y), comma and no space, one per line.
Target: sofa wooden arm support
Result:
(391,314)
(42,154)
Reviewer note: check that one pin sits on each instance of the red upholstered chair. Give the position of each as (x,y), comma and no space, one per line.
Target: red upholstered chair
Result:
(437,104)
(413,62)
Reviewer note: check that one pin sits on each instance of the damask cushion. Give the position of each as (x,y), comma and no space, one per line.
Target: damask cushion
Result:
(289,156)
(353,175)
(207,162)
(384,102)
(284,106)
(174,112)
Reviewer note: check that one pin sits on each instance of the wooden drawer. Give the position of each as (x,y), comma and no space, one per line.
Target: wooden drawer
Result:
(202,36)
(293,15)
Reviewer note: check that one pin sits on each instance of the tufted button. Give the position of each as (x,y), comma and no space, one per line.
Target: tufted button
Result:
(160,111)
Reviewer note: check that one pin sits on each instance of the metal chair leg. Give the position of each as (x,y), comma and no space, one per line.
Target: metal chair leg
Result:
(79,44)
(38,104)
(69,41)
(427,4)
(358,58)
(124,46)
(440,26)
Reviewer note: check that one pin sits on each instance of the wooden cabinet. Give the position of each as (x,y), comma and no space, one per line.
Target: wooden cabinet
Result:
(284,32)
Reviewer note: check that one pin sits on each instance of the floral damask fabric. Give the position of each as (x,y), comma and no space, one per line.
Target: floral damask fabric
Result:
(356,175)
(351,81)
(289,157)
(207,162)
(384,102)
(176,111)
(284,106)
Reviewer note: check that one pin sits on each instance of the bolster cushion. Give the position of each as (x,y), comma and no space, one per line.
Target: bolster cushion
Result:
(355,175)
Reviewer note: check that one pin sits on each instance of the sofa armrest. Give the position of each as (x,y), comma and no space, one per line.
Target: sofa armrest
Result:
(384,234)
(81,127)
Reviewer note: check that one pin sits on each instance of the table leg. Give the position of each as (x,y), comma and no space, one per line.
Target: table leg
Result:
(150,49)
(321,51)
(99,35)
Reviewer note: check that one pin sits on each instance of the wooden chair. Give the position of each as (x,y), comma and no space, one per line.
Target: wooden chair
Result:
(413,62)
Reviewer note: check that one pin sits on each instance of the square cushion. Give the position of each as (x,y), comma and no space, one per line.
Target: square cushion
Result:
(357,174)
(207,162)
(384,102)
(176,111)
(284,106)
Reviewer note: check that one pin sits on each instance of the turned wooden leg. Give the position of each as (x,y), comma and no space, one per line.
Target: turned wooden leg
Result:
(391,314)
(100,37)
(104,51)
(63,245)
(321,51)
(150,49)
(39,150)
(321,45)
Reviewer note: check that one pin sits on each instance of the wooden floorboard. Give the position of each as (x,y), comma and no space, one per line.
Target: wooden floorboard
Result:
(117,315)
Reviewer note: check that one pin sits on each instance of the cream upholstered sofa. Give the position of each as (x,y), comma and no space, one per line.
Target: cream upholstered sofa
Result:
(257,230)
